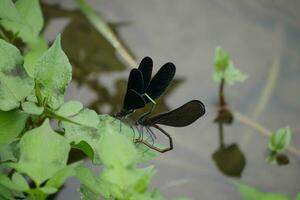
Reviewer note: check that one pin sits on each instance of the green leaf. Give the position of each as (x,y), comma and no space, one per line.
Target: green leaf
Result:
(42,153)
(53,74)
(5,193)
(48,190)
(89,180)
(11,125)
(5,181)
(15,84)
(280,140)
(38,47)
(58,179)
(87,194)
(297,197)
(225,69)
(20,181)
(81,136)
(31,108)
(122,148)
(69,108)
(221,60)
(8,11)
(9,152)
(251,193)
(31,21)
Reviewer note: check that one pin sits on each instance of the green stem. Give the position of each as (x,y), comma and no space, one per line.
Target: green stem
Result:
(102,27)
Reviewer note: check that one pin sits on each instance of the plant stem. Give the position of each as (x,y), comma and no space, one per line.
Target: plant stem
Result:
(264,131)
(221,93)
(102,27)
(221,135)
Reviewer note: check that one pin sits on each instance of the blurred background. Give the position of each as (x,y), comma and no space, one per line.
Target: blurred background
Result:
(263,38)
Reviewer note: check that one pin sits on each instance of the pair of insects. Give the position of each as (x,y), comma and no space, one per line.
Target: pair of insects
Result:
(141,90)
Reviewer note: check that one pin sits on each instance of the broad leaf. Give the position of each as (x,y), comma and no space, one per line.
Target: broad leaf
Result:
(15,84)
(84,137)
(38,47)
(8,11)
(11,125)
(43,153)
(280,140)
(53,74)
(31,21)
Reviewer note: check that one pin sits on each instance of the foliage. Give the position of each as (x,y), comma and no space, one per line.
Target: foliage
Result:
(225,69)
(280,140)
(250,193)
(35,155)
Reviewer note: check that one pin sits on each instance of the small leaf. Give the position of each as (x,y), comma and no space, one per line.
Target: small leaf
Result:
(42,153)
(5,181)
(224,68)
(20,181)
(15,84)
(31,108)
(280,140)
(11,125)
(69,108)
(222,60)
(53,74)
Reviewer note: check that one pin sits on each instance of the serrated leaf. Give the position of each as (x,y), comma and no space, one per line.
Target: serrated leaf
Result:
(32,108)
(20,181)
(42,153)
(53,74)
(81,136)
(31,21)
(8,11)
(58,179)
(15,84)
(69,108)
(280,140)
(11,125)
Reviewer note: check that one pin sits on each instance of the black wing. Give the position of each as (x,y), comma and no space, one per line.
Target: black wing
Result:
(182,116)
(145,67)
(161,81)
(135,88)
(133,100)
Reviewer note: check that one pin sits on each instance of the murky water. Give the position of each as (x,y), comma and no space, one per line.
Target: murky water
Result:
(263,38)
